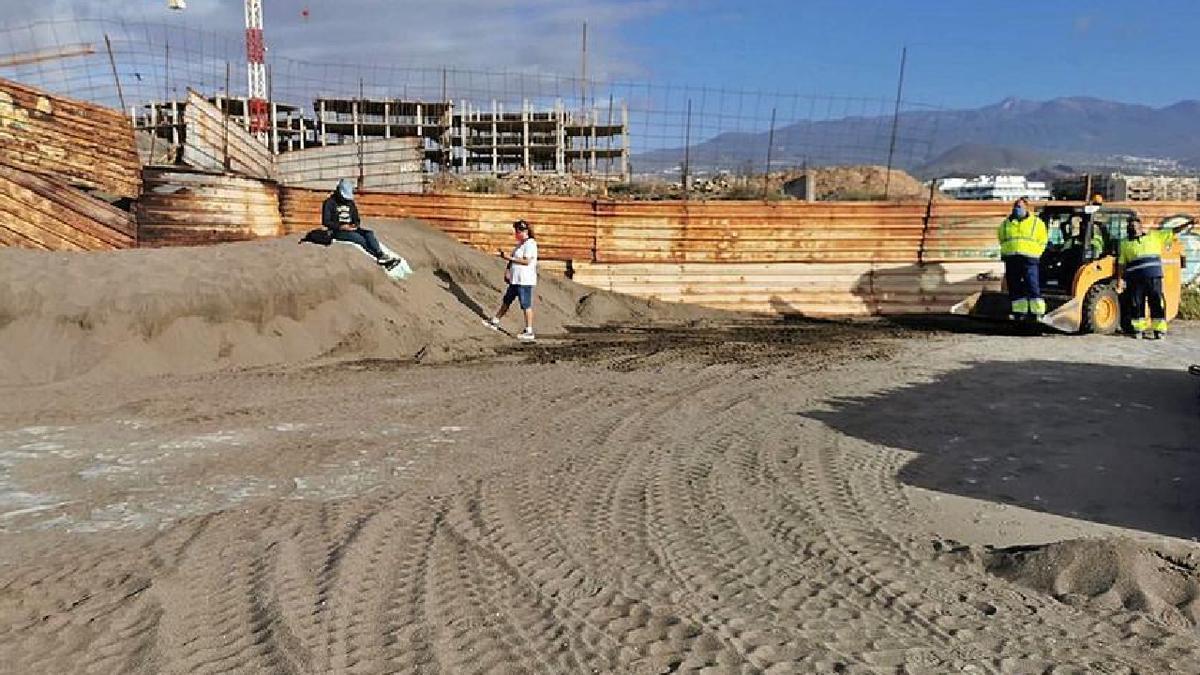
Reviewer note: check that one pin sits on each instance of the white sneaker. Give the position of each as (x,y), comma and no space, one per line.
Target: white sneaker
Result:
(492,323)
(526,335)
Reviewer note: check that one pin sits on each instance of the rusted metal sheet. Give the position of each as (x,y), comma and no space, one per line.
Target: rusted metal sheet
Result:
(190,208)
(565,226)
(816,259)
(391,165)
(47,213)
(82,144)
(807,289)
(210,139)
(756,231)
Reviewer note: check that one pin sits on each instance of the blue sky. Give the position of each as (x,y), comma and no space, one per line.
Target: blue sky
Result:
(961,54)
(965,53)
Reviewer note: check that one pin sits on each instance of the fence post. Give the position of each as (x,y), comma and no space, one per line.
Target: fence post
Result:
(687,146)
(928,218)
(225,119)
(112,61)
(770,144)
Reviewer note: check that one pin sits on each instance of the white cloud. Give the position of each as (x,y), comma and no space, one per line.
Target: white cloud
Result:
(535,36)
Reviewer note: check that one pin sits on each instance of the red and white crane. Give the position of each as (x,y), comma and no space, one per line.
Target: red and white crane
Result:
(256,69)
(258,112)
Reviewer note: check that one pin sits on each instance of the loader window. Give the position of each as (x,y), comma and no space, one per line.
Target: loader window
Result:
(1063,227)
(1112,227)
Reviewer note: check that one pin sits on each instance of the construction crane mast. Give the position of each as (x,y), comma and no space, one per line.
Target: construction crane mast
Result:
(256,67)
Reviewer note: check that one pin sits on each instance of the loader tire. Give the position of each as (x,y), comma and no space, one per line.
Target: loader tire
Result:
(1101,310)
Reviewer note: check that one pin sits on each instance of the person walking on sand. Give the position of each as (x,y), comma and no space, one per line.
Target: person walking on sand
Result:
(339,214)
(1023,238)
(521,276)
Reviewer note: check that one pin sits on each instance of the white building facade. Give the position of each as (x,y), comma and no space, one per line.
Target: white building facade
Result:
(994,188)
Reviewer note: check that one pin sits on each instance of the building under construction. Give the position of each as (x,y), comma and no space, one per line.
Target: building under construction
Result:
(1121,188)
(288,126)
(465,139)
(457,138)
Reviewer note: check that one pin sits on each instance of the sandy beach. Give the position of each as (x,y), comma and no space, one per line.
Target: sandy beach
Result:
(299,466)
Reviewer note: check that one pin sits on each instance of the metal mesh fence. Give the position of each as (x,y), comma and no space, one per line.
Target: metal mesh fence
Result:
(724,129)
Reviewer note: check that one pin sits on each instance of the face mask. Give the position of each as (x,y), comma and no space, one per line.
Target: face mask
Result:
(1019,213)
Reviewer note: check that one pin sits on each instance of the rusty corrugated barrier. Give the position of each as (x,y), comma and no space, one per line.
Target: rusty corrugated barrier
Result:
(79,143)
(44,212)
(566,226)
(184,207)
(210,138)
(816,259)
(392,165)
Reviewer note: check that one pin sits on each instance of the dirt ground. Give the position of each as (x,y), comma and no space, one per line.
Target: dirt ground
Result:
(738,497)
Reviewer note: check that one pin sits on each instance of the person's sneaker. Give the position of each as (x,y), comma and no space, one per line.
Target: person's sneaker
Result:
(1137,335)
(389,264)
(492,323)
(526,336)
(1159,335)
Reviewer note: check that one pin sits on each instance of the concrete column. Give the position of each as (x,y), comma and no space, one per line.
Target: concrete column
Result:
(495,149)
(354,114)
(559,156)
(525,133)
(324,138)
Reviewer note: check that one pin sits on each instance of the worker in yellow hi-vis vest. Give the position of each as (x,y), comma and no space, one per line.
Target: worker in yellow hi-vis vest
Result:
(1140,268)
(1023,238)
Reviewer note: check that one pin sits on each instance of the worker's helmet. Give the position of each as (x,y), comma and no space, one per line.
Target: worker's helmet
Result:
(1097,198)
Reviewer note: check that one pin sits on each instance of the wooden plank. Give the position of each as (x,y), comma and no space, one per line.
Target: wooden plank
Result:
(205,136)
(82,144)
(58,216)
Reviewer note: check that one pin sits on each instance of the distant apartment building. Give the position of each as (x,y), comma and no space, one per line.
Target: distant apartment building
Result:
(1118,187)
(994,188)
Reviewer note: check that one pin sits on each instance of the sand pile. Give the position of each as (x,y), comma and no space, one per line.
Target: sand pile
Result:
(853,183)
(1111,574)
(191,310)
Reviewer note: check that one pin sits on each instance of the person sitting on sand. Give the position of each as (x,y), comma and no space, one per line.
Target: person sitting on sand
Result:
(339,214)
(521,276)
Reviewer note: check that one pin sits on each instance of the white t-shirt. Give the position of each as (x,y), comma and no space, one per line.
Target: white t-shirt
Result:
(525,275)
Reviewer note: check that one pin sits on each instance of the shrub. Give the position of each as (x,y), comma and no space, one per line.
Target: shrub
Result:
(1189,303)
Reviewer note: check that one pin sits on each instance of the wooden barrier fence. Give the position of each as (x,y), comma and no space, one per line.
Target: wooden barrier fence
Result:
(817,259)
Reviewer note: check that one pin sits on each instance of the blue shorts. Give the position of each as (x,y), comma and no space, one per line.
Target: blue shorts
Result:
(524,293)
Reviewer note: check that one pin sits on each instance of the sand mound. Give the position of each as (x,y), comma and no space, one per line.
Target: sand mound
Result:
(1111,574)
(191,310)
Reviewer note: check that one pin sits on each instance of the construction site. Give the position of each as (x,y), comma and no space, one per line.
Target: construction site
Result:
(753,433)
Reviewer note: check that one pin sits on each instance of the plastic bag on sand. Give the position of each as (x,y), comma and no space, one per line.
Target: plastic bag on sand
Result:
(399,272)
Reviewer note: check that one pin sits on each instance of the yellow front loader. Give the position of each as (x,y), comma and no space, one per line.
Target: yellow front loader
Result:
(1078,272)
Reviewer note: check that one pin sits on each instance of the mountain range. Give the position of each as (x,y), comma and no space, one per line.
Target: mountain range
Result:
(1014,135)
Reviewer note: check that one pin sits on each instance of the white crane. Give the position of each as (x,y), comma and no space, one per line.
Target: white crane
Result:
(259,113)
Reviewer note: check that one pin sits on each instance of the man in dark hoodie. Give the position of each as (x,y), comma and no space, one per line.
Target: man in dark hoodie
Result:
(339,214)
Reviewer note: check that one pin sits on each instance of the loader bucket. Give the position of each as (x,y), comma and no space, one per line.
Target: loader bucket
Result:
(1067,317)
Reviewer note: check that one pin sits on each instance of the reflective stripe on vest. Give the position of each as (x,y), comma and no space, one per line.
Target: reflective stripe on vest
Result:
(1144,254)
(1144,264)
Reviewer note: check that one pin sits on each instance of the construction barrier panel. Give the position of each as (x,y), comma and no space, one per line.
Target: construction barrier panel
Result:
(392,165)
(44,212)
(184,207)
(213,142)
(77,143)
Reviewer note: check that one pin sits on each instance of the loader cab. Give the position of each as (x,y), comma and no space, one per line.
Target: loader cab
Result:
(1078,235)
